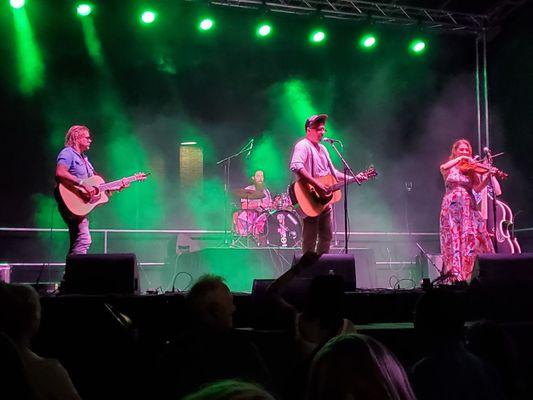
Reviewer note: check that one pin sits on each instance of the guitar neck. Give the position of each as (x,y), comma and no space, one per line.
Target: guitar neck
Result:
(339,185)
(116,185)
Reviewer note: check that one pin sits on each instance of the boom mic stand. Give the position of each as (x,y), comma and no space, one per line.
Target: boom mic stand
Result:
(226,162)
(442,276)
(346,169)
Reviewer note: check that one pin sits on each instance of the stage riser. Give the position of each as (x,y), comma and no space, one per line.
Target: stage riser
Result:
(239,267)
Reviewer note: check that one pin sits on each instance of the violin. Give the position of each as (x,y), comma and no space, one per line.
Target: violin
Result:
(480,167)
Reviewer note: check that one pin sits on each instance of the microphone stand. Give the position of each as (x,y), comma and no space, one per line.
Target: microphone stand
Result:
(442,276)
(346,169)
(226,162)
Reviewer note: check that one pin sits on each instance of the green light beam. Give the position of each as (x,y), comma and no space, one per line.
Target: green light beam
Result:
(29,60)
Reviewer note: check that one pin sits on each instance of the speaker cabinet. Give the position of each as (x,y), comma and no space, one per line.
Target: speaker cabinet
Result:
(505,269)
(503,285)
(101,274)
(332,264)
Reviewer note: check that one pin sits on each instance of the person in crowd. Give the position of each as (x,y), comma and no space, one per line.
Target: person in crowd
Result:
(20,316)
(357,366)
(488,340)
(230,390)
(322,316)
(210,349)
(448,370)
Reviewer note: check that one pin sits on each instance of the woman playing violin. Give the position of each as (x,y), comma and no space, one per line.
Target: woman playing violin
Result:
(463,231)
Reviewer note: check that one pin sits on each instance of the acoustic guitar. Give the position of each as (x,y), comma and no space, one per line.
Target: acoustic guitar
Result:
(81,203)
(311,203)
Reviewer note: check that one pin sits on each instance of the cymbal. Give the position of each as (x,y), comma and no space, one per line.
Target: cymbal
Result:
(249,194)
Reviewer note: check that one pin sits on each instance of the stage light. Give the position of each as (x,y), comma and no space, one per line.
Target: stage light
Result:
(31,68)
(264,30)
(368,41)
(318,36)
(417,46)
(17,3)
(206,24)
(84,9)
(148,17)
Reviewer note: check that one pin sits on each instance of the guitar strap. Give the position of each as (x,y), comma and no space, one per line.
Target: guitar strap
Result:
(88,167)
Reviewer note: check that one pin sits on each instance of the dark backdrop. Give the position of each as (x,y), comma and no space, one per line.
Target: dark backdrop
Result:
(144,89)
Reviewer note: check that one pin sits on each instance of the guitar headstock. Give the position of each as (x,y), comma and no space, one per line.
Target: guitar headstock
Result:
(140,176)
(368,173)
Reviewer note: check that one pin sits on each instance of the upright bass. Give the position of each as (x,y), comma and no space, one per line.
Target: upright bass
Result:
(500,219)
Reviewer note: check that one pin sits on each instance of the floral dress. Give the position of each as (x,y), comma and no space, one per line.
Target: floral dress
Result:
(463,232)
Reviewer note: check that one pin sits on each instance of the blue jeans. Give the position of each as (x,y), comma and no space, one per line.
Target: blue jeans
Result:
(78,228)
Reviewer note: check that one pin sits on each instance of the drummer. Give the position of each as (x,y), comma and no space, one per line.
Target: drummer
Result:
(258,187)
(250,220)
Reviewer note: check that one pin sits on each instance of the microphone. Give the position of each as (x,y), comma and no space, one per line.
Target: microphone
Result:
(486,150)
(330,140)
(250,148)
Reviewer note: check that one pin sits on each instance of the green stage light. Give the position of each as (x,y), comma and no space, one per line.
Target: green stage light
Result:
(31,68)
(206,24)
(17,3)
(417,46)
(318,36)
(264,30)
(84,9)
(368,41)
(148,17)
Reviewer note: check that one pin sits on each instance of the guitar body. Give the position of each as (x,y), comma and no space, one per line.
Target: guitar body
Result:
(74,200)
(80,203)
(311,204)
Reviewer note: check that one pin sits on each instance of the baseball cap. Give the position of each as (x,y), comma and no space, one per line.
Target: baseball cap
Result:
(315,120)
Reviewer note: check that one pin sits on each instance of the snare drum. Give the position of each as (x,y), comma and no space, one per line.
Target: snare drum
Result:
(282,229)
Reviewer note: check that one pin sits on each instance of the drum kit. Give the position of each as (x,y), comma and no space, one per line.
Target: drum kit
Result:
(275,224)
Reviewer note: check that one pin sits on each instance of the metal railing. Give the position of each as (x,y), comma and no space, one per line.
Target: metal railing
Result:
(108,233)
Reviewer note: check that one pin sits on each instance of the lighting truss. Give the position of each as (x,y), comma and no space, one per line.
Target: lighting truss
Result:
(384,13)
(503,9)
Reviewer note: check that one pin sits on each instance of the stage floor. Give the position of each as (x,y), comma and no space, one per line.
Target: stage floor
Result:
(238,266)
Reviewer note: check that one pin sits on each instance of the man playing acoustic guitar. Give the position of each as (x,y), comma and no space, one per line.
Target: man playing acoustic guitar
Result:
(311,161)
(72,169)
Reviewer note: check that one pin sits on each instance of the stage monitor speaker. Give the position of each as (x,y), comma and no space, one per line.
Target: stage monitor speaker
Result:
(101,274)
(332,264)
(503,286)
(504,270)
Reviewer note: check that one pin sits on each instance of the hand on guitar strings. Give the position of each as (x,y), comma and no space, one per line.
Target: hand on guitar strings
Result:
(322,190)
(86,190)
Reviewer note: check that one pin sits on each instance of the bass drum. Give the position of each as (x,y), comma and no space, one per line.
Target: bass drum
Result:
(283,229)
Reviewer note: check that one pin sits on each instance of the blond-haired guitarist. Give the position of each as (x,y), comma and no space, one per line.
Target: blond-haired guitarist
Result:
(73,169)
(311,161)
